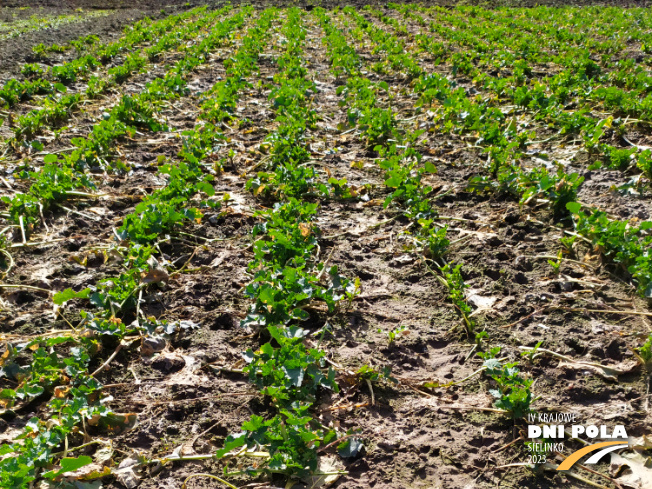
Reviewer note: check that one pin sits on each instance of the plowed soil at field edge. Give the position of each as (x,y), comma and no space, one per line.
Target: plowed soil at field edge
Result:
(17,51)
(159,4)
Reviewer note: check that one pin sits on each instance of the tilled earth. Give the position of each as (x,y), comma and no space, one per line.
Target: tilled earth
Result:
(307,4)
(191,396)
(18,50)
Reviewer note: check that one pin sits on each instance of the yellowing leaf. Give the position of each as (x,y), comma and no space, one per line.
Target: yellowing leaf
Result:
(373,203)
(60,392)
(4,357)
(153,276)
(80,259)
(94,420)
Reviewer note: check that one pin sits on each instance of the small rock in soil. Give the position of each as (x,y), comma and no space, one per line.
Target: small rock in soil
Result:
(169,362)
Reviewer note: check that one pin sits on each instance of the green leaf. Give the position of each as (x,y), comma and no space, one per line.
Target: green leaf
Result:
(295,375)
(394,181)
(645,225)
(58,340)
(232,442)
(207,188)
(648,291)
(33,425)
(350,448)
(68,294)
(50,159)
(574,207)
(492,364)
(300,314)
(430,168)
(7,394)
(70,465)
(255,423)
(34,390)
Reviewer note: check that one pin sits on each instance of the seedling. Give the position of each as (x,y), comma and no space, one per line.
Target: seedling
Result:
(644,163)
(622,242)
(567,243)
(480,337)
(531,354)
(644,354)
(60,365)
(31,70)
(437,242)
(452,279)
(366,372)
(492,353)
(512,392)
(393,334)
(556,264)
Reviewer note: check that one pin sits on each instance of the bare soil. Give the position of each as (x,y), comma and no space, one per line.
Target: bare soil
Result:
(158,4)
(18,50)
(417,438)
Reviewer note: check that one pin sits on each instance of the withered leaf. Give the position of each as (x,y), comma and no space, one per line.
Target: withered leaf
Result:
(155,275)
(305,229)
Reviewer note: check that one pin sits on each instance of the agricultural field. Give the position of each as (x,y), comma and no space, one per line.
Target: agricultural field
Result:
(370,246)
